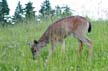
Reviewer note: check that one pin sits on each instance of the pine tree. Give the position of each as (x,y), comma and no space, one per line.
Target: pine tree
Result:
(29,10)
(67,11)
(18,13)
(5,9)
(4,12)
(58,11)
(45,8)
(1,18)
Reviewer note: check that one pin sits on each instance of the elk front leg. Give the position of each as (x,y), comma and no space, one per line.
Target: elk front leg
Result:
(63,46)
(51,50)
(80,47)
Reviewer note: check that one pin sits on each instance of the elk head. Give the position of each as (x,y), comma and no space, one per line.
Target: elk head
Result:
(36,47)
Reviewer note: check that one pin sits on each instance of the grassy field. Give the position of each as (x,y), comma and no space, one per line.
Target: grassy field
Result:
(15,54)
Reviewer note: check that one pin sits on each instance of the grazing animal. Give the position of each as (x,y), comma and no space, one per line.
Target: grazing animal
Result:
(56,32)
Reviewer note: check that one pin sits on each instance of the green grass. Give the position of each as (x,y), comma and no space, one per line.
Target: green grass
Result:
(15,54)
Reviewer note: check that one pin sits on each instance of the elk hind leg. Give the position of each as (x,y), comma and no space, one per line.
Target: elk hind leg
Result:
(90,47)
(87,42)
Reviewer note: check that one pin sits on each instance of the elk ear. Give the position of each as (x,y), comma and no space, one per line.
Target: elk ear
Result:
(35,41)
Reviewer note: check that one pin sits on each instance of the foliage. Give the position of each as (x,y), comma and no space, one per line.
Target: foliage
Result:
(15,54)
(58,10)
(47,12)
(4,12)
(29,12)
(46,9)
(5,9)
(19,13)
(1,18)
(63,11)
(67,11)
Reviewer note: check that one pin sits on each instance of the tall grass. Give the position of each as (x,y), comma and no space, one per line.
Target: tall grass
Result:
(15,54)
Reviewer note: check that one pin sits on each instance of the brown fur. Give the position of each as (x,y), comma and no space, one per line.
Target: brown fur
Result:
(75,25)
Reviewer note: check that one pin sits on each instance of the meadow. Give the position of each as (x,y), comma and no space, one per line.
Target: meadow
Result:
(15,53)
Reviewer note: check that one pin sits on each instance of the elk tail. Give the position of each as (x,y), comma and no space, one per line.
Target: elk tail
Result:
(90,27)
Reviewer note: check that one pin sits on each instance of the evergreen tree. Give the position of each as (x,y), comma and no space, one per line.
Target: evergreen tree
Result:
(66,11)
(18,13)
(58,11)
(4,10)
(1,18)
(46,8)
(63,11)
(30,14)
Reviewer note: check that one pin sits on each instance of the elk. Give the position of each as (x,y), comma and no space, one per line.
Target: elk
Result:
(59,30)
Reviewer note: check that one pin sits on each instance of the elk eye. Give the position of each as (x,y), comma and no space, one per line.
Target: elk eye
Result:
(34,50)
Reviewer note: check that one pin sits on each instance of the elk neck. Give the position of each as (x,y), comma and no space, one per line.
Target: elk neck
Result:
(44,39)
